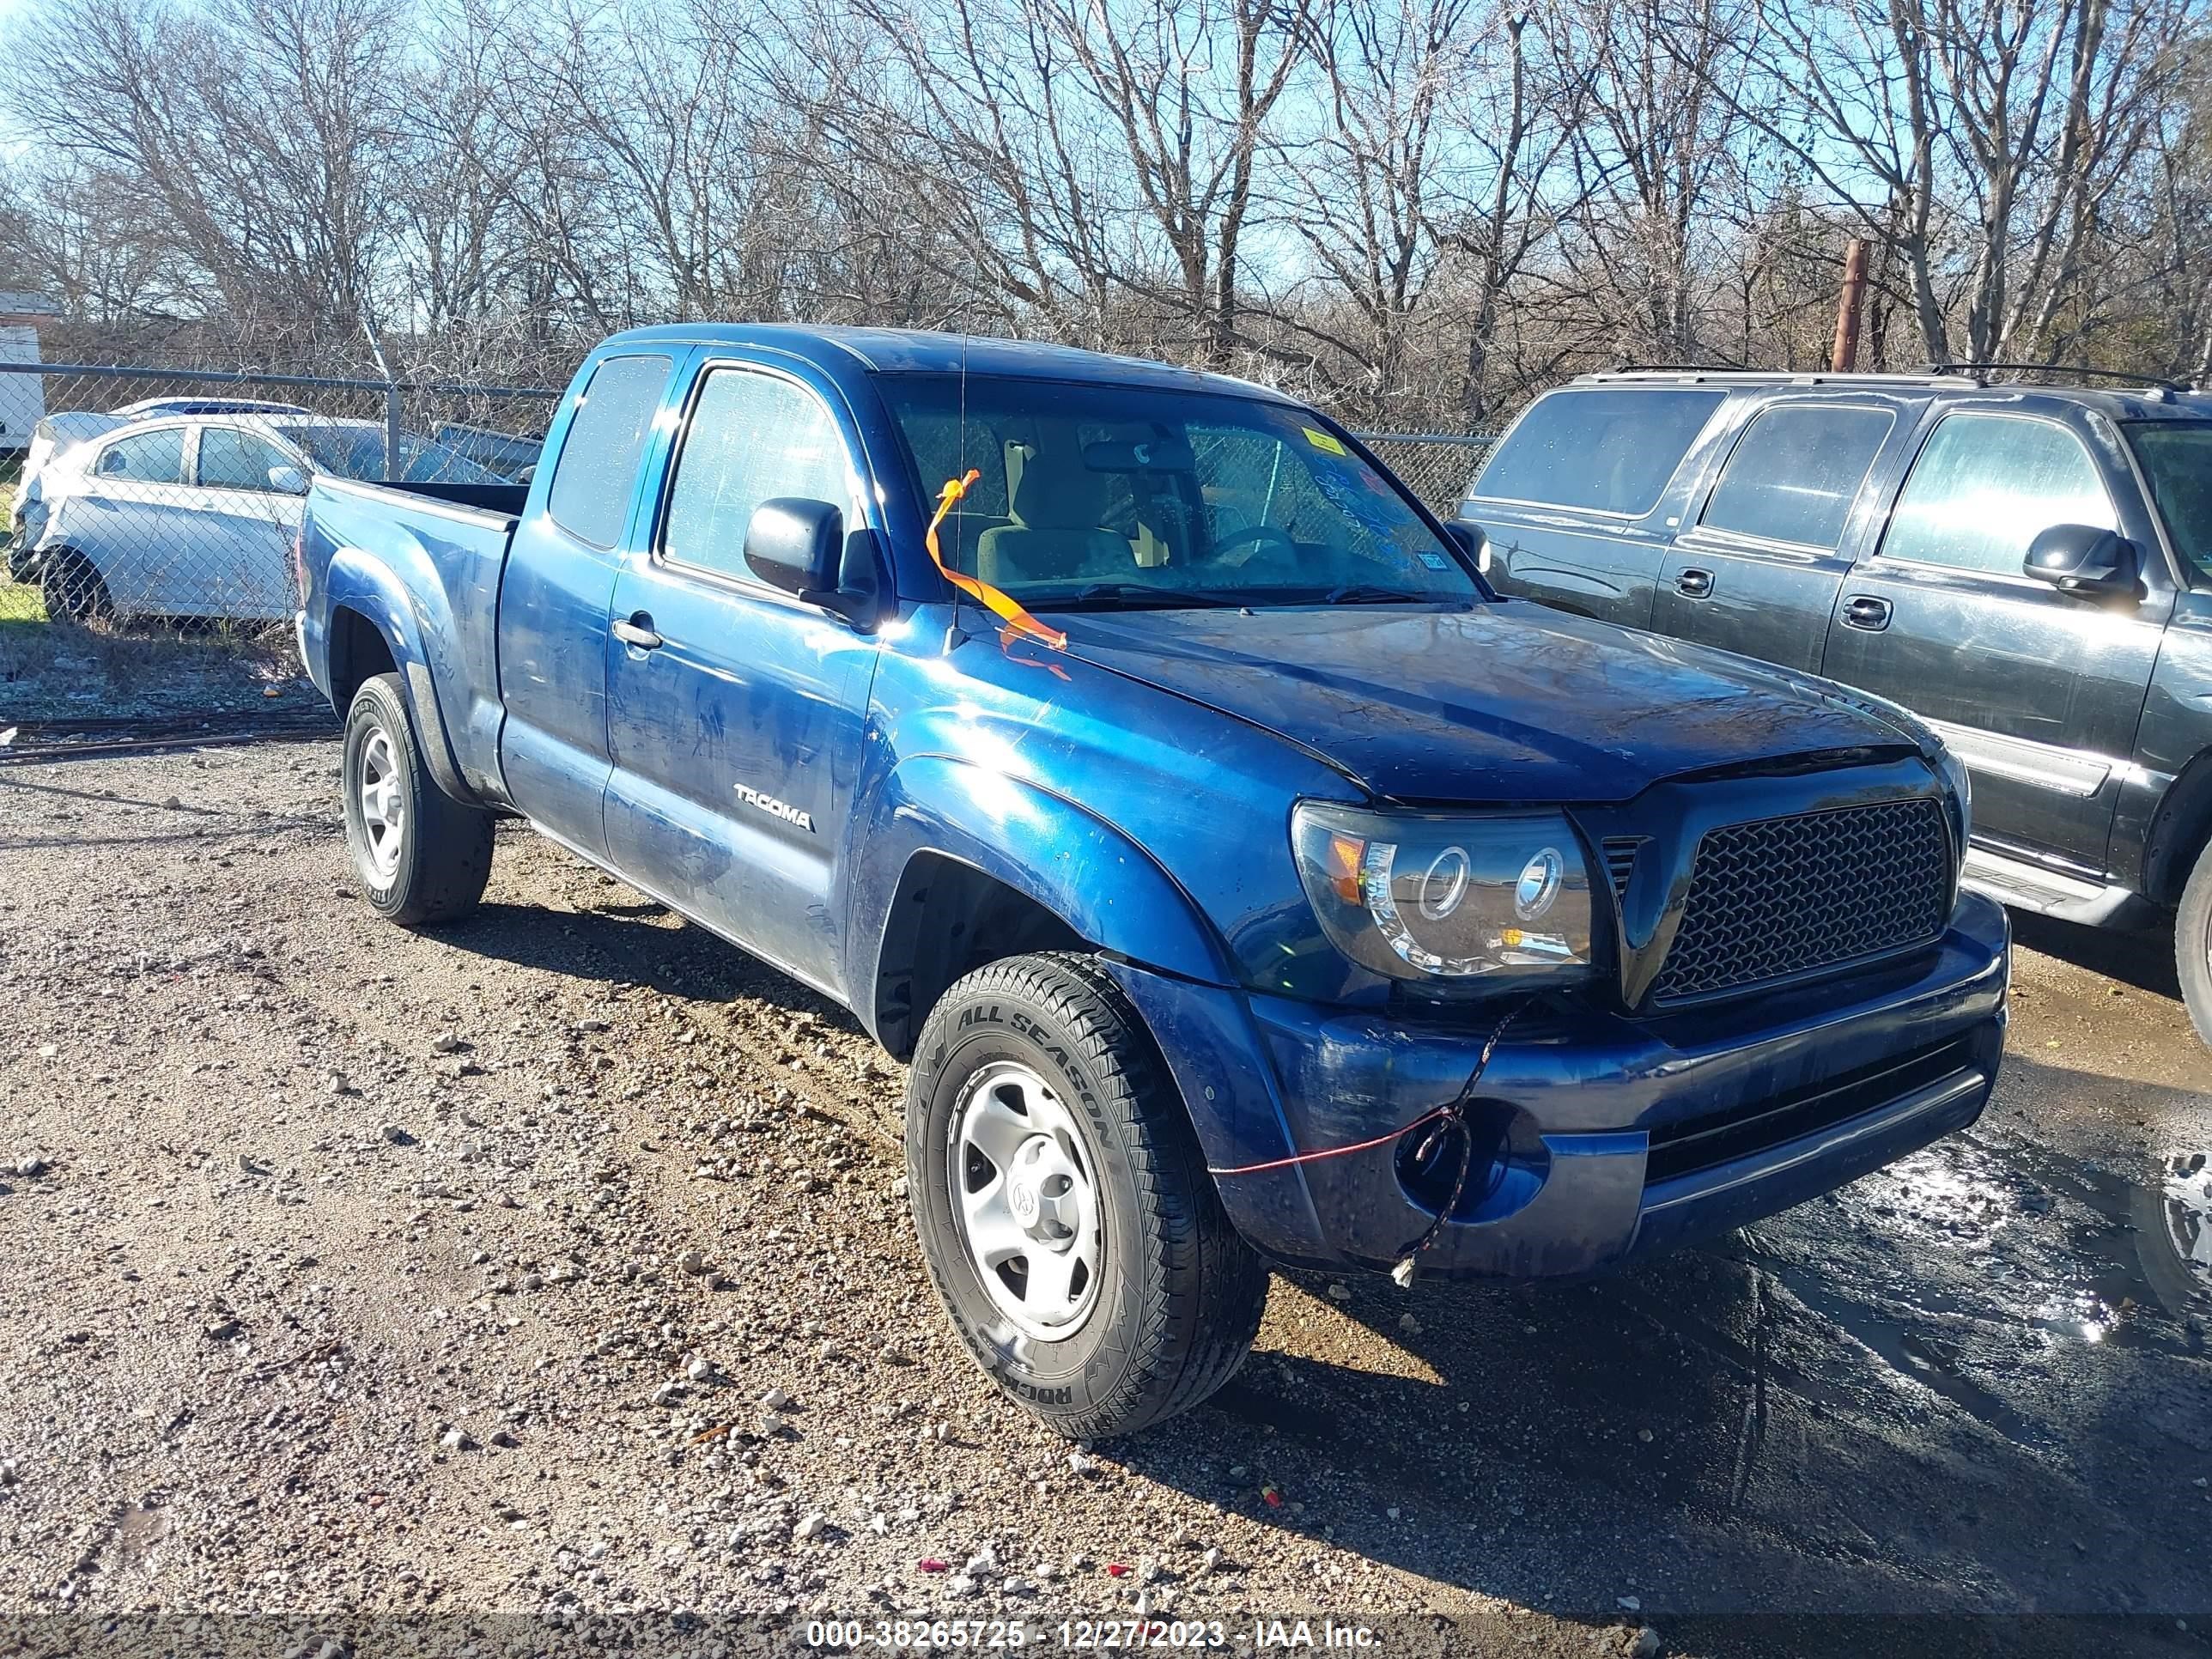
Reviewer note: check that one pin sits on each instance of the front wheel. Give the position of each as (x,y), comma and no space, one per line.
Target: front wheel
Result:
(2192,945)
(420,855)
(1064,1210)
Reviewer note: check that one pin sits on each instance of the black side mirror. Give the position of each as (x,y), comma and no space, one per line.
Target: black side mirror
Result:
(796,545)
(2080,558)
(1470,540)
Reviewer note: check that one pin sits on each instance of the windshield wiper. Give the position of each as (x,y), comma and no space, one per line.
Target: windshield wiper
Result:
(1371,593)
(1098,594)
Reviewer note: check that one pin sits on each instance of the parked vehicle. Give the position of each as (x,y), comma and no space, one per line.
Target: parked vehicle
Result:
(193,516)
(56,433)
(1241,879)
(2027,567)
(59,431)
(192,405)
(513,456)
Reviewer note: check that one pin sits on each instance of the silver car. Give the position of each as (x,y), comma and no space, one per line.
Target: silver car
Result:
(194,516)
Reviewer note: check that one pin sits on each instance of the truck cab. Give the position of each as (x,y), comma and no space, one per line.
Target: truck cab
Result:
(1133,756)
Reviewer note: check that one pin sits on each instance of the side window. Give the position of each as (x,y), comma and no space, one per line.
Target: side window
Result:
(1987,485)
(230,459)
(1603,449)
(148,457)
(751,437)
(597,473)
(1796,472)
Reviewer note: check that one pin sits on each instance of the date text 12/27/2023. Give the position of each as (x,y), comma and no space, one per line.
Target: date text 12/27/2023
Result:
(1083,1635)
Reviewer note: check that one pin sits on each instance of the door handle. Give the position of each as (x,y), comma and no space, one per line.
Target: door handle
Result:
(1867,612)
(636,632)
(1694,584)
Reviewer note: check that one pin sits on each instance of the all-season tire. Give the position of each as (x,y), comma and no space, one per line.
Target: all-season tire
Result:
(420,855)
(1177,1293)
(72,590)
(2192,945)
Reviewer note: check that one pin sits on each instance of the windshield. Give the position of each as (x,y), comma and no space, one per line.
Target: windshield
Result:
(357,452)
(1108,495)
(2177,459)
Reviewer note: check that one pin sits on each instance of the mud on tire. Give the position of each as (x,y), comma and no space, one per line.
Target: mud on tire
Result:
(1178,1293)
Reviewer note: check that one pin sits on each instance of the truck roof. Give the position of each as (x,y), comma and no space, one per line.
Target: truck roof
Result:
(2123,402)
(919,351)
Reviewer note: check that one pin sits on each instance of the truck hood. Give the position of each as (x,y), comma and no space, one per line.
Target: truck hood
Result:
(1504,702)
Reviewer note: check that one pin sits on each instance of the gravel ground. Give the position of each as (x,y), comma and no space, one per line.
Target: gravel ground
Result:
(560,1264)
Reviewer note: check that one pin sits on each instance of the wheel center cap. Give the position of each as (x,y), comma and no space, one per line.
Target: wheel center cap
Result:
(1022,1199)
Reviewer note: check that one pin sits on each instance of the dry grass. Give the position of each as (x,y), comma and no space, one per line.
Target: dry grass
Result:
(49,671)
(20,603)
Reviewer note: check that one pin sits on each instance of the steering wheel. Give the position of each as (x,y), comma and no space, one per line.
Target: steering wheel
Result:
(1255,533)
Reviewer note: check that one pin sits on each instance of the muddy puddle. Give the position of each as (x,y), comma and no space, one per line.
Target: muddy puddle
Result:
(1981,1255)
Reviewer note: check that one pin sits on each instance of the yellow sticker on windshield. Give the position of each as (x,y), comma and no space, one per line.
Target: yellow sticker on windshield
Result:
(1323,441)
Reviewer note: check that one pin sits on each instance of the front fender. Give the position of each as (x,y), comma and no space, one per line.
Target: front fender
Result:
(1084,870)
(368,588)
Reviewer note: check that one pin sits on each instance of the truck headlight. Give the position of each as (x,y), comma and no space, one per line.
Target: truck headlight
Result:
(1501,899)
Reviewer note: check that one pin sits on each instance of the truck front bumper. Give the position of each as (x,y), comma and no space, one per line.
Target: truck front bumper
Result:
(1598,1137)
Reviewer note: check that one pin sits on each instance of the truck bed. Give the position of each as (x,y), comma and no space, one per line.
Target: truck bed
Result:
(500,500)
(430,554)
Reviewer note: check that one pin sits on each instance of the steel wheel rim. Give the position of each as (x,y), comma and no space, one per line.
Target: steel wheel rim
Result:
(383,808)
(1026,1202)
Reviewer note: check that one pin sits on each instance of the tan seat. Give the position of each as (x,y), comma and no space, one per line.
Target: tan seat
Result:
(1055,503)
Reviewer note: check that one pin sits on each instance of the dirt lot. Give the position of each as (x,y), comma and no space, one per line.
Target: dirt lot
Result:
(349,1270)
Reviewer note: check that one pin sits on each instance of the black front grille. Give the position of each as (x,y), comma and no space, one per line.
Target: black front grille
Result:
(1787,896)
(1699,1143)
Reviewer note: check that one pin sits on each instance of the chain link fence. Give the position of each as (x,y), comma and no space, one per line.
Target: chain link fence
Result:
(1437,468)
(145,496)
(155,509)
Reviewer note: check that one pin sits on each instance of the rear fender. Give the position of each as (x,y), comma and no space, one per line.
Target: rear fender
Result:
(368,588)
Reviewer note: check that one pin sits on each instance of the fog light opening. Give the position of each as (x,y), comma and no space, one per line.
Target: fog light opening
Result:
(1506,1161)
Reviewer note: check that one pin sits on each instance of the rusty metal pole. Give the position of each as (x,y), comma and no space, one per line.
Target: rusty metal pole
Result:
(1845,357)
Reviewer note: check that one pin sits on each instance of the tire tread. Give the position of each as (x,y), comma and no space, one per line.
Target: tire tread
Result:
(452,840)
(1202,1308)
(2192,945)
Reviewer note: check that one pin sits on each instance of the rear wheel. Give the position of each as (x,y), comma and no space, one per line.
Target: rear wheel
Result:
(72,589)
(420,855)
(2192,945)
(1064,1210)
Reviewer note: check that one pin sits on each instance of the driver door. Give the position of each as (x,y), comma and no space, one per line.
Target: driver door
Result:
(736,713)
(2039,692)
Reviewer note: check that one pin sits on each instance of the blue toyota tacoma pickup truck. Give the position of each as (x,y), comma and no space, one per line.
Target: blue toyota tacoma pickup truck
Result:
(1244,880)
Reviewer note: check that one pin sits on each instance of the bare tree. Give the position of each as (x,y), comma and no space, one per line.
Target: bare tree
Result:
(1973,138)
(1524,98)
(255,137)
(1353,189)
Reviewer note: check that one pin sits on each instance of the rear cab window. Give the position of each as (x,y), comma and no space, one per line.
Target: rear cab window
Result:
(1796,472)
(596,474)
(1601,449)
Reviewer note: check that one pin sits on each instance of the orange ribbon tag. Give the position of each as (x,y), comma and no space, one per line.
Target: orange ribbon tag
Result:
(1000,605)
